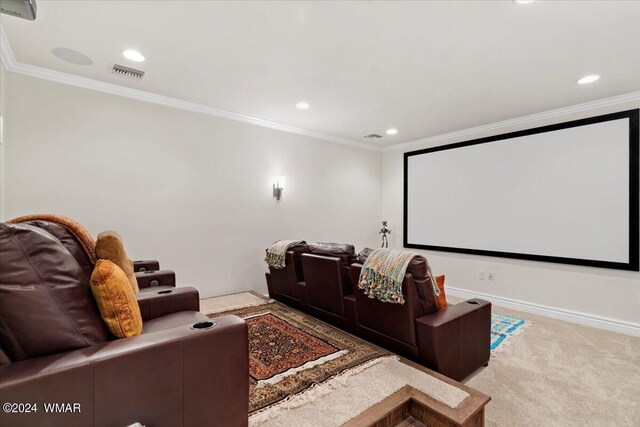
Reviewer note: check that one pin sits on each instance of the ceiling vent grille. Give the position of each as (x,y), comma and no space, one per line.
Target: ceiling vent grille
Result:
(373,136)
(123,71)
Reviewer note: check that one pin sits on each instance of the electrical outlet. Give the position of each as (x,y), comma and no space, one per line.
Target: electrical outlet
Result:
(482,275)
(490,275)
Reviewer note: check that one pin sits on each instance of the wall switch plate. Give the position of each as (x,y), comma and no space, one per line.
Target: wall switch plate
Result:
(482,275)
(490,276)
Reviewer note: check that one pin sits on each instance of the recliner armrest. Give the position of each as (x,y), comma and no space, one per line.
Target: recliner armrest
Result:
(149,279)
(166,301)
(456,341)
(453,312)
(177,376)
(146,265)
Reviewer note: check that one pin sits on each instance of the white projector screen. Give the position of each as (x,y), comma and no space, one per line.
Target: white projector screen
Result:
(565,193)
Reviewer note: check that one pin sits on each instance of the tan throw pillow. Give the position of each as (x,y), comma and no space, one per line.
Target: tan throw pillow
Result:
(115,298)
(109,246)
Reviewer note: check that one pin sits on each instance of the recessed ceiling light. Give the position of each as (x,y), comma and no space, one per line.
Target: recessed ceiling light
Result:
(523,1)
(588,79)
(302,105)
(133,55)
(392,131)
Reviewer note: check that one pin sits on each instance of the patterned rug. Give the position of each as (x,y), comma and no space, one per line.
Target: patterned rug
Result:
(283,342)
(276,347)
(502,326)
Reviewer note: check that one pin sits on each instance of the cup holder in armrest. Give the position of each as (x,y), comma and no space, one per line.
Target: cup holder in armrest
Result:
(166,291)
(145,271)
(473,302)
(202,326)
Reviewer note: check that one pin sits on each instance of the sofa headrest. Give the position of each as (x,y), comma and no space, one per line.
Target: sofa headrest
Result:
(418,266)
(299,248)
(45,307)
(83,236)
(69,241)
(346,252)
(363,255)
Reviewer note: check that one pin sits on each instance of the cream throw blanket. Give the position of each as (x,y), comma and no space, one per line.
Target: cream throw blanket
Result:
(383,272)
(276,253)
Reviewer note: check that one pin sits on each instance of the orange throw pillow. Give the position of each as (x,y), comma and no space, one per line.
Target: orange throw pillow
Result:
(109,246)
(442,298)
(117,303)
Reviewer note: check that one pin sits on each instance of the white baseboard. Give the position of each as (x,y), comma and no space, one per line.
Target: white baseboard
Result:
(593,320)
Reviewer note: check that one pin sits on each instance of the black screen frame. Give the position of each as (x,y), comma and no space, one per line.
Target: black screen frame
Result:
(633,263)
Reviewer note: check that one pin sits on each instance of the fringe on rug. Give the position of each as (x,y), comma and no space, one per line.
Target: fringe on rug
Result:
(240,306)
(314,392)
(507,341)
(277,378)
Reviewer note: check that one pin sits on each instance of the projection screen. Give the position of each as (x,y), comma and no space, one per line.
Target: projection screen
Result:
(566,193)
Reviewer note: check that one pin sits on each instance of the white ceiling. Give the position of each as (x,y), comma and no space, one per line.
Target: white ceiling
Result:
(425,68)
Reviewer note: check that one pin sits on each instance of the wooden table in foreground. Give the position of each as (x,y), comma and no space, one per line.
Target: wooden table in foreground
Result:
(410,407)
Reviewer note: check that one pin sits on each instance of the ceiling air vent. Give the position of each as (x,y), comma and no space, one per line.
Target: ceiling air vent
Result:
(373,136)
(121,70)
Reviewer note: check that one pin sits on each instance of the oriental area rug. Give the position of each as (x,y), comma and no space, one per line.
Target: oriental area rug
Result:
(291,353)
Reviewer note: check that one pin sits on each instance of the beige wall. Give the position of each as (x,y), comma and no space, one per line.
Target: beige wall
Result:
(601,292)
(195,192)
(189,189)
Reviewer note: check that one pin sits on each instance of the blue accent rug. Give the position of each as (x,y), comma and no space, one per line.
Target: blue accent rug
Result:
(501,327)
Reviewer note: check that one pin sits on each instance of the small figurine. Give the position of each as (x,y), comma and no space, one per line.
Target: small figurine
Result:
(384,231)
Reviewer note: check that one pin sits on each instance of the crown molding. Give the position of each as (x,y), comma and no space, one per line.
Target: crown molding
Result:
(557,113)
(10,63)
(6,54)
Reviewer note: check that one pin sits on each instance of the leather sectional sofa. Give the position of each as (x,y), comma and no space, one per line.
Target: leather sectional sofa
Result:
(183,370)
(321,279)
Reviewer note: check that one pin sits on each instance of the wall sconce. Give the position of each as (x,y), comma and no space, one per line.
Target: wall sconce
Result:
(278,186)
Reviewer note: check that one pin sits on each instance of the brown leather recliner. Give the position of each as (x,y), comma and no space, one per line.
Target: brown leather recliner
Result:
(287,284)
(327,282)
(454,341)
(158,293)
(55,348)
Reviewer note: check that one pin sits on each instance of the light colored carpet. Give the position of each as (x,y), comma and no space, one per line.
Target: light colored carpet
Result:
(562,374)
(340,398)
(557,374)
(230,302)
(349,396)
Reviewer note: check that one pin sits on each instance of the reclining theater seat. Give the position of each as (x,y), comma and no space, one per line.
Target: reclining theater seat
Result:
(454,341)
(158,294)
(393,325)
(54,347)
(327,282)
(285,284)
